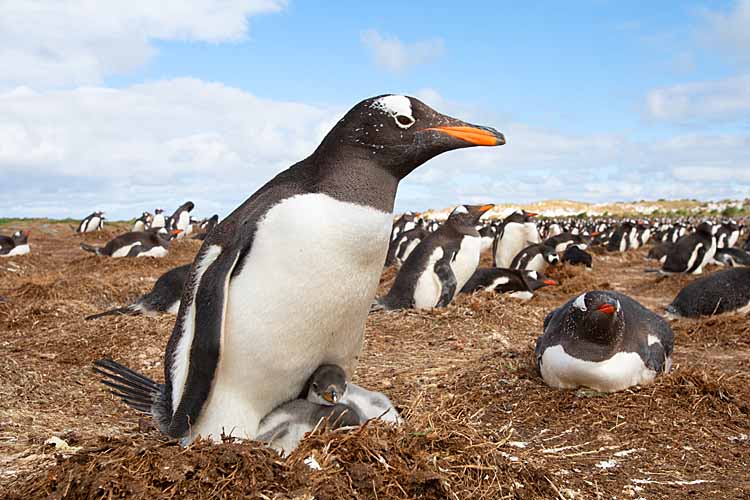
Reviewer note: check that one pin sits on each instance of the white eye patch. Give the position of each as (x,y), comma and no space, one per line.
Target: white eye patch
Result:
(398,107)
(460,210)
(580,302)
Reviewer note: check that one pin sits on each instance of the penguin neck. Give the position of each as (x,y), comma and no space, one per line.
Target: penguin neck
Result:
(348,175)
(605,333)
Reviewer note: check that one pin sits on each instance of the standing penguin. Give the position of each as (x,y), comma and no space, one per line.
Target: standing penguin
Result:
(518,230)
(164,297)
(603,340)
(143,222)
(91,223)
(285,282)
(408,241)
(406,222)
(535,257)
(440,266)
(692,251)
(159,220)
(16,244)
(719,292)
(180,219)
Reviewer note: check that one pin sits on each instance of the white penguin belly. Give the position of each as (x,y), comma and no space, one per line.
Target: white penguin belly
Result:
(157,251)
(537,264)
(18,250)
(512,242)
(301,300)
(623,370)
(428,288)
(466,261)
(123,251)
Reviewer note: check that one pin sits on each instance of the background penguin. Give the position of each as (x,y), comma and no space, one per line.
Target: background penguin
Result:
(659,251)
(727,234)
(143,222)
(603,340)
(408,241)
(577,256)
(93,222)
(521,284)
(440,265)
(180,219)
(535,257)
(150,243)
(692,251)
(158,220)
(328,386)
(405,222)
(732,257)
(488,234)
(517,231)
(319,231)
(620,239)
(164,297)
(206,226)
(720,292)
(562,241)
(16,244)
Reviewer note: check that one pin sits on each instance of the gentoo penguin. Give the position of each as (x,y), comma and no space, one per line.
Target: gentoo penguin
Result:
(605,341)
(164,297)
(143,222)
(328,386)
(620,239)
(535,257)
(408,241)
(520,284)
(577,256)
(440,266)
(159,220)
(517,231)
(720,292)
(151,243)
(206,226)
(727,234)
(488,234)
(285,282)
(562,241)
(93,222)
(180,219)
(405,222)
(692,251)
(732,257)
(16,244)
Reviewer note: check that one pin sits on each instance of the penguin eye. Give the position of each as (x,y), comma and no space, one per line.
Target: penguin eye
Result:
(315,386)
(404,121)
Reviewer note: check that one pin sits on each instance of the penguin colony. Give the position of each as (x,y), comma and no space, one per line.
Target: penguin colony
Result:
(242,356)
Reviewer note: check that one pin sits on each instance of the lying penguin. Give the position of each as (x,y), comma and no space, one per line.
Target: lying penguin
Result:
(440,265)
(692,252)
(519,283)
(164,297)
(535,257)
(605,341)
(576,255)
(732,257)
(720,292)
(16,244)
(151,243)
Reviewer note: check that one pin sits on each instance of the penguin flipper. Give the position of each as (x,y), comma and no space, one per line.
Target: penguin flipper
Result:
(90,248)
(447,281)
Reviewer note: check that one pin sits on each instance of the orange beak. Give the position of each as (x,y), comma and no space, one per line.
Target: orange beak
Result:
(532,214)
(176,231)
(550,282)
(484,208)
(606,308)
(473,135)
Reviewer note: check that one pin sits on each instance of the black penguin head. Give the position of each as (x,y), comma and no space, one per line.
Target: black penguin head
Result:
(327,385)
(400,133)
(550,255)
(707,228)
(520,217)
(159,211)
(188,206)
(20,237)
(99,214)
(466,216)
(597,317)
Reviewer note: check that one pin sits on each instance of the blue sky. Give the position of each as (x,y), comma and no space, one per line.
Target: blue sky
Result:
(124,108)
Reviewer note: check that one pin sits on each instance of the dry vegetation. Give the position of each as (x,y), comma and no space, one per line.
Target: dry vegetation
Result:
(479,421)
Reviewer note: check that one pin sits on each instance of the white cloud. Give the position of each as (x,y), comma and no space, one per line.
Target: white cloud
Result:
(57,43)
(730,30)
(720,100)
(396,56)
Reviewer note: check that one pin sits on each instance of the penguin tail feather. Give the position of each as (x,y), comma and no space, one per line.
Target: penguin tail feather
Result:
(90,248)
(119,310)
(135,390)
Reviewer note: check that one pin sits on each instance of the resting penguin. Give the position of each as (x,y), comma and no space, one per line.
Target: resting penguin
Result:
(521,284)
(575,255)
(692,251)
(150,243)
(535,257)
(180,219)
(659,251)
(408,241)
(143,222)
(732,257)
(518,230)
(406,222)
(159,220)
(164,297)
(440,266)
(720,292)
(605,341)
(93,222)
(328,386)
(16,244)
(563,240)
(284,283)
